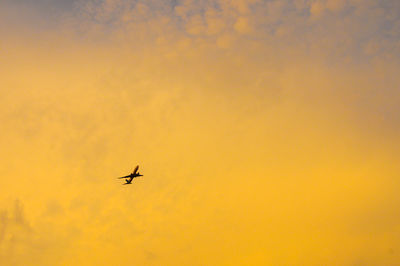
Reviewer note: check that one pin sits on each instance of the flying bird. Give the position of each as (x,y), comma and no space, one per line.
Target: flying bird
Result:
(130,177)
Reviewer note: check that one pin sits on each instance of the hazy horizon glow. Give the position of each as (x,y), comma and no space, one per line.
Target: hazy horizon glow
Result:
(267,132)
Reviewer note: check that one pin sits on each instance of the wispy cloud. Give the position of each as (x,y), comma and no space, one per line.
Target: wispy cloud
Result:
(267,128)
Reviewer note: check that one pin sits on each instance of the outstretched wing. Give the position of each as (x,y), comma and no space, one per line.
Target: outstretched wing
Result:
(127,176)
(136,169)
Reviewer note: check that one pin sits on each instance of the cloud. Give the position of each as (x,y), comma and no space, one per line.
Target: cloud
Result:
(335,29)
(265,127)
(242,25)
(15,233)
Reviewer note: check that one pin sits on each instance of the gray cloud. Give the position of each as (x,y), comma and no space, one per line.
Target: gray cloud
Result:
(42,6)
(324,28)
(257,91)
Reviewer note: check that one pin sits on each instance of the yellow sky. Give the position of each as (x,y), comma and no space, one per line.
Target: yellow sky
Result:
(267,132)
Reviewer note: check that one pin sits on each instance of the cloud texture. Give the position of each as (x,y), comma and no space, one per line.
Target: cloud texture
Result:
(267,132)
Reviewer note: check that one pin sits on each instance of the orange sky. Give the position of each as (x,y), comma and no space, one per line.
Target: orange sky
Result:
(267,132)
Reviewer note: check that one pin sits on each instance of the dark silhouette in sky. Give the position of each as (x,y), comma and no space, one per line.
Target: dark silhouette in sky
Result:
(130,177)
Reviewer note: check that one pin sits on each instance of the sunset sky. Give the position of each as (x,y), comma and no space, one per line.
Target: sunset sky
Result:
(267,131)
